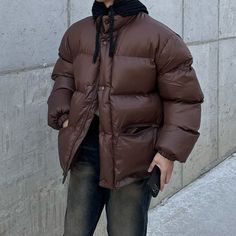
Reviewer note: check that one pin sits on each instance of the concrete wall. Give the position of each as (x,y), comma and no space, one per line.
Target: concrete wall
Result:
(32,198)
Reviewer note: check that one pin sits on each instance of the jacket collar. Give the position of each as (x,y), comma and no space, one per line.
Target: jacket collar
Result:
(119,21)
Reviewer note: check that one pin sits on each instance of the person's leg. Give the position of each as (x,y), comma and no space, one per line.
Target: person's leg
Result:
(85,198)
(127,210)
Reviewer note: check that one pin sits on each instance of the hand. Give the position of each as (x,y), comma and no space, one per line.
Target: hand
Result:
(166,166)
(65,123)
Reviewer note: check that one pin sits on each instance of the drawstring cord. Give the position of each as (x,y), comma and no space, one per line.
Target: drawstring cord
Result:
(97,42)
(98,31)
(111,26)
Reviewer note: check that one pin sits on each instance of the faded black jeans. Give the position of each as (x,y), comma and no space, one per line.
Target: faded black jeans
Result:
(126,208)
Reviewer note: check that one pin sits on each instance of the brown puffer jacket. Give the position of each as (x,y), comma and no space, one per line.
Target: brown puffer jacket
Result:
(148,96)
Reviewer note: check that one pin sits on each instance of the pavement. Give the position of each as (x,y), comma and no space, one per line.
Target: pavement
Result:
(206,207)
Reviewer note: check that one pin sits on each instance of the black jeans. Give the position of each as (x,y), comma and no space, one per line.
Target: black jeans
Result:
(126,208)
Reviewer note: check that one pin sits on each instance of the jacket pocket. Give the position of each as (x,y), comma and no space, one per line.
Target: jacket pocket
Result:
(134,149)
(137,129)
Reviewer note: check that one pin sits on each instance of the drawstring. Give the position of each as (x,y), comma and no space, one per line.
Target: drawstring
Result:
(111,26)
(98,30)
(97,45)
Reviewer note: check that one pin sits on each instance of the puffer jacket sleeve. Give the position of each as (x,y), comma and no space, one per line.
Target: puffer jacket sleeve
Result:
(181,96)
(63,88)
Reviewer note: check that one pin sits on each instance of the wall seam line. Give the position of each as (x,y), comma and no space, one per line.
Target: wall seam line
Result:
(28,69)
(182,165)
(68,12)
(218,77)
(195,43)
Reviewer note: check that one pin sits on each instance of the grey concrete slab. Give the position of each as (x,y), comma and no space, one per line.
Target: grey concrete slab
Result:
(200,20)
(205,207)
(204,154)
(169,12)
(227,18)
(80,9)
(31,32)
(32,198)
(227,91)
(23,111)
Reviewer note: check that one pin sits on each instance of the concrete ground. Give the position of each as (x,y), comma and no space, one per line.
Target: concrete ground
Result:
(206,207)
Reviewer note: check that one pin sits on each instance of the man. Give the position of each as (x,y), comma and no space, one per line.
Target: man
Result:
(125,99)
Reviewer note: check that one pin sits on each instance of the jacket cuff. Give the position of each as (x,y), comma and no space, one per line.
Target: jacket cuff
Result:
(167,155)
(61,119)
